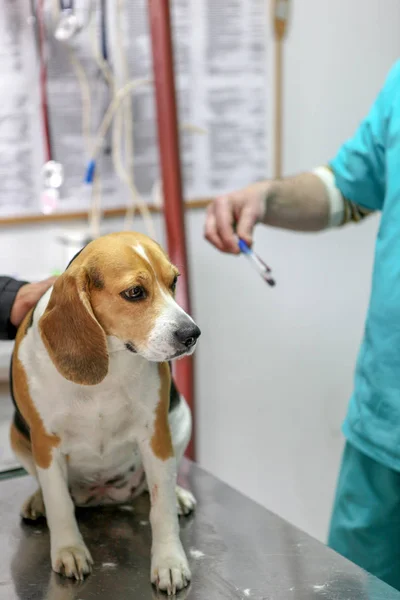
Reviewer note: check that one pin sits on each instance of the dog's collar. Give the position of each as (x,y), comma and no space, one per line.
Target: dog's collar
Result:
(76,256)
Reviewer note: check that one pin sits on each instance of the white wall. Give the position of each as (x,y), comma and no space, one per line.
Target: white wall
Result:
(275,366)
(278,364)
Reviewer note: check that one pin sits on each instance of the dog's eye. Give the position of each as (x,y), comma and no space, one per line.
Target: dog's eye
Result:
(173,284)
(134,293)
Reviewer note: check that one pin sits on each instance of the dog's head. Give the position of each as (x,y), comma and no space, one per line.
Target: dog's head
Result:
(120,285)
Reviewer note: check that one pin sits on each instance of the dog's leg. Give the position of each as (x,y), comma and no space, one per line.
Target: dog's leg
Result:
(33,507)
(169,566)
(180,421)
(69,555)
(22,449)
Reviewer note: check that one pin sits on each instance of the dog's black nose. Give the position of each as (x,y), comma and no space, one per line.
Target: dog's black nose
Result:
(187,335)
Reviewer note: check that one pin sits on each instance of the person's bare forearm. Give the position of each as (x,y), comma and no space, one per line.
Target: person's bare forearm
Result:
(299,203)
(307,202)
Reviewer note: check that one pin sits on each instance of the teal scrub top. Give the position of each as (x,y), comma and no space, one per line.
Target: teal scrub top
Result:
(367,172)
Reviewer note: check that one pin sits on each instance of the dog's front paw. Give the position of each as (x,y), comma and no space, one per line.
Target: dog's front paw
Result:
(169,568)
(186,502)
(33,508)
(72,561)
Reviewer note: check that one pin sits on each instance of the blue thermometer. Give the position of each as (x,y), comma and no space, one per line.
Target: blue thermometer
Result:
(257,263)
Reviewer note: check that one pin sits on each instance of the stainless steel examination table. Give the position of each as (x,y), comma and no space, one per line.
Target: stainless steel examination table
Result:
(237,550)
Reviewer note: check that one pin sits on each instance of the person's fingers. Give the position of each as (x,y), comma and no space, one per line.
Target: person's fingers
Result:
(246,223)
(21,305)
(224,216)
(46,283)
(36,290)
(27,297)
(211,231)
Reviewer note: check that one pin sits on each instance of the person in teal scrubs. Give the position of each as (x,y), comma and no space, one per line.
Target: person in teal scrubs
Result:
(363,177)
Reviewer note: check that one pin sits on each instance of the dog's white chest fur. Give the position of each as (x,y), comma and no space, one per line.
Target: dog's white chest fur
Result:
(99,437)
(98,425)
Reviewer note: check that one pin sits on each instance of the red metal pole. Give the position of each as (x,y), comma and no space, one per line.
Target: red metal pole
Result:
(168,140)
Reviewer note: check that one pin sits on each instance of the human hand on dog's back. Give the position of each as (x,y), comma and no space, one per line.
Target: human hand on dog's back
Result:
(27,297)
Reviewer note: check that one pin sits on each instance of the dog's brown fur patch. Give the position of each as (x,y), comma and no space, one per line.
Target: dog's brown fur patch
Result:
(161,442)
(42,442)
(73,338)
(19,443)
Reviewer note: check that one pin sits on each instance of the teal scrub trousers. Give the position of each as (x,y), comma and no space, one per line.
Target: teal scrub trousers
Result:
(365,525)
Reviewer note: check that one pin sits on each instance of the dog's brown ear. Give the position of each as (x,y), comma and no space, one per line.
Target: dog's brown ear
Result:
(71,333)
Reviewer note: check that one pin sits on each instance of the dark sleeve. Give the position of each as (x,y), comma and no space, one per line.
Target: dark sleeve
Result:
(8,290)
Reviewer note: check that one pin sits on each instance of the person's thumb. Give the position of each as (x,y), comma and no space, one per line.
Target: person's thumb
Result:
(246,223)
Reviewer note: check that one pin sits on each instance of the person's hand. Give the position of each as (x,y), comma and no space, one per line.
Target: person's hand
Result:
(27,297)
(237,212)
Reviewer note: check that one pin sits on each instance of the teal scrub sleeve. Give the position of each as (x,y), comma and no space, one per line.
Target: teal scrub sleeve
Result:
(359,166)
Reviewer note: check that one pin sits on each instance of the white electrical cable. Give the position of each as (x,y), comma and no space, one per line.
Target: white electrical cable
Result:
(101,63)
(95,209)
(156,193)
(106,123)
(86,98)
(136,199)
(127,174)
(127,118)
(157,189)
(193,128)
(55,11)
(122,127)
(113,107)
(92,147)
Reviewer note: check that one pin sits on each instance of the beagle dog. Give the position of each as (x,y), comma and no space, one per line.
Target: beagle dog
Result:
(98,420)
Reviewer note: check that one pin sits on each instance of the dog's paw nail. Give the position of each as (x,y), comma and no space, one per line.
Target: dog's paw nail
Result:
(170,574)
(73,561)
